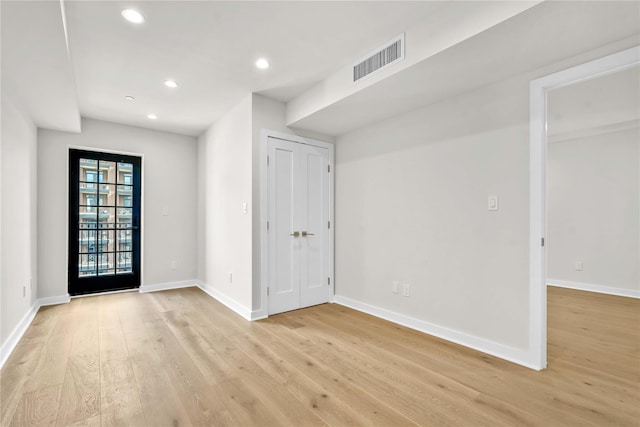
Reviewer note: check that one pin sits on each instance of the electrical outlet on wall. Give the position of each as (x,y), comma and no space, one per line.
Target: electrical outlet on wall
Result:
(579,266)
(174,264)
(230,277)
(406,290)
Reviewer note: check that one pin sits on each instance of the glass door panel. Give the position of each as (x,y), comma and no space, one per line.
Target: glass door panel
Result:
(104,224)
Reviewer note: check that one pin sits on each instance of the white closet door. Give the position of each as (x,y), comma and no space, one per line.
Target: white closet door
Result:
(284,249)
(314,216)
(299,211)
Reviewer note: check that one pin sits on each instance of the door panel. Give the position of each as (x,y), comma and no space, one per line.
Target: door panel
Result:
(315,216)
(284,248)
(298,192)
(104,220)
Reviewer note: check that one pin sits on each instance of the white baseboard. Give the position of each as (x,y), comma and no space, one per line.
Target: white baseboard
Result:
(259,314)
(12,340)
(515,355)
(621,292)
(167,286)
(10,344)
(231,303)
(61,299)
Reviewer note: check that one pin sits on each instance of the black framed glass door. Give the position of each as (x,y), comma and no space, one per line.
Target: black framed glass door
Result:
(104,222)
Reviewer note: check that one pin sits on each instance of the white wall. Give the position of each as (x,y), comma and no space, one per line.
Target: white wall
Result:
(224,152)
(18,212)
(411,206)
(228,177)
(593,210)
(169,180)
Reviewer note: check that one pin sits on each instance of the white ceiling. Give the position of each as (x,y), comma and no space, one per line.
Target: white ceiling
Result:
(36,71)
(546,34)
(210,49)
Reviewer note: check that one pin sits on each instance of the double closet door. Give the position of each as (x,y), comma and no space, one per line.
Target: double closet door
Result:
(299,234)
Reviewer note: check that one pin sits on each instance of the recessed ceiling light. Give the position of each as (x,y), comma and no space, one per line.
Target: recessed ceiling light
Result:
(171,83)
(129,98)
(262,63)
(152,117)
(133,16)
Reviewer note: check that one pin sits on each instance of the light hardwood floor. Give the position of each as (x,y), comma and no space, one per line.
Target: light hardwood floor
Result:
(180,358)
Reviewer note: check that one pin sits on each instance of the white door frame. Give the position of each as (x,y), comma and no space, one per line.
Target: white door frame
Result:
(142,187)
(265,134)
(539,89)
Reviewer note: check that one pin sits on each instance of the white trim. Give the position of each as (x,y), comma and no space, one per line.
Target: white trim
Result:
(167,286)
(589,287)
(230,302)
(515,355)
(537,204)
(12,340)
(265,134)
(61,299)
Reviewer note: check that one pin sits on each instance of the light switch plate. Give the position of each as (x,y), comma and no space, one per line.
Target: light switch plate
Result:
(492,203)
(395,287)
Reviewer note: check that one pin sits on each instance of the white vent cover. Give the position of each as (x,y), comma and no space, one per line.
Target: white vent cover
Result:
(390,53)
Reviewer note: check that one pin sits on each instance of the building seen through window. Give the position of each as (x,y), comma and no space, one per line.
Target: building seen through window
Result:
(105,203)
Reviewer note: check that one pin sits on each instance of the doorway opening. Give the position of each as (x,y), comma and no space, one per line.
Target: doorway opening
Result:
(539,138)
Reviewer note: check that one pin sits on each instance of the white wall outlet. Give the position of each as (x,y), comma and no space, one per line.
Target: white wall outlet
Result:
(245,208)
(165,211)
(174,264)
(395,287)
(579,266)
(230,277)
(24,291)
(492,203)
(406,290)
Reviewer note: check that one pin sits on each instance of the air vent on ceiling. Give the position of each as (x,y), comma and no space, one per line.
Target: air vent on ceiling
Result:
(392,52)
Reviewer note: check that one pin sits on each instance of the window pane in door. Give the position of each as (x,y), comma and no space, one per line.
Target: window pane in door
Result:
(107,242)
(124,262)
(106,263)
(106,196)
(107,172)
(86,265)
(125,173)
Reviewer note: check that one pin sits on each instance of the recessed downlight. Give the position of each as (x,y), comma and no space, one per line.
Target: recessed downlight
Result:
(171,83)
(133,16)
(129,98)
(262,63)
(152,117)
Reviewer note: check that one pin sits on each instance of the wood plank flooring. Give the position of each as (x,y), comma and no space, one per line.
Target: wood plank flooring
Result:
(180,358)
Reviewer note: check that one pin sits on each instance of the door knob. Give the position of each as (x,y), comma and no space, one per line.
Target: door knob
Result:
(296,234)
(305,234)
